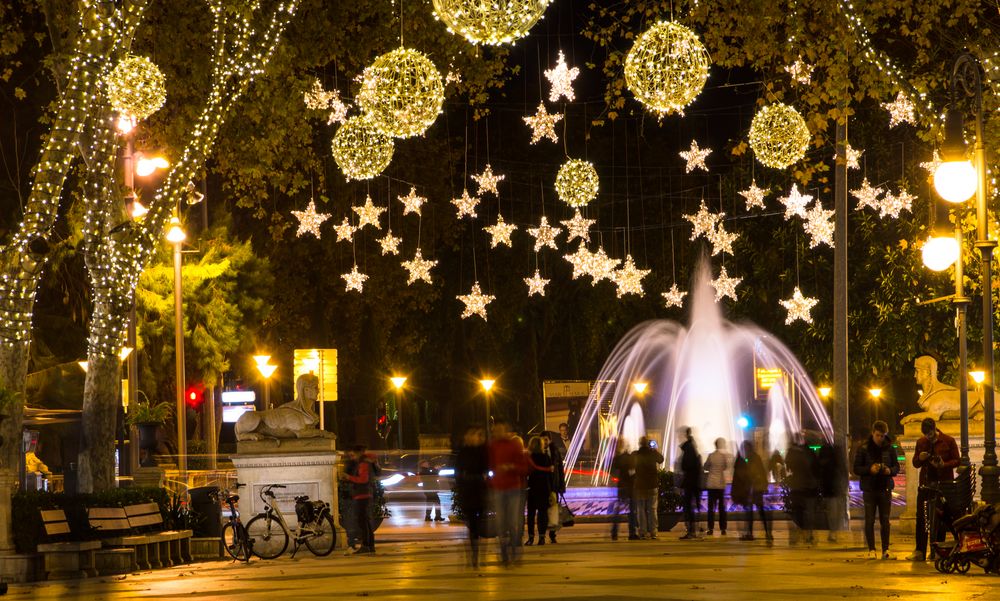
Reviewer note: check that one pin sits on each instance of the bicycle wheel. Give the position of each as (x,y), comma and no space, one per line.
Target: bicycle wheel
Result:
(325,537)
(269,538)
(234,541)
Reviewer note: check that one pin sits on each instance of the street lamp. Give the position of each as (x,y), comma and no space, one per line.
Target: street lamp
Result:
(876,394)
(266,370)
(824,392)
(978,376)
(640,388)
(487,384)
(397,383)
(176,236)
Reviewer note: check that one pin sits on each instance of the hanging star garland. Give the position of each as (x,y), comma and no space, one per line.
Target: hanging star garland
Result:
(900,111)
(338,110)
(466,205)
(578,227)
(703,222)
(932,165)
(345,231)
(867,195)
(561,77)
(318,99)
(310,220)
(853,157)
(412,202)
(673,297)
(488,181)
(475,302)
(389,243)
(800,71)
(602,266)
(695,157)
(892,204)
(542,124)
(355,280)
(754,196)
(368,214)
(722,240)
(799,307)
(725,285)
(500,233)
(544,234)
(629,278)
(580,260)
(419,268)
(536,284)
(795,203)
(819,225)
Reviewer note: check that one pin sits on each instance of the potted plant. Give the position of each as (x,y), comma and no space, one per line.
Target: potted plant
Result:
(147,417)
(668,502)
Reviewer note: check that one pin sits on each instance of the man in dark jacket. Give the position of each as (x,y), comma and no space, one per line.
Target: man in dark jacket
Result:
(645,485)
(359,474)
(936,455)
(803,489)
(691,483)
(623,469)
(558,474)
(876,464)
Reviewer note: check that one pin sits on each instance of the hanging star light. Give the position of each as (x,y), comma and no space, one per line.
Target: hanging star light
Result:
(800,71)
(355,280)
(495,22)
(419,268)
(368,214)
(795,203)
(673,297)
(725,285)
(578,227)
(401,93)
(932,165)
(580,260)
(867,195)
(544,234)
(695,157)
(475,302)
(666,68)
(602,266)
(488,181)
(345,231)
(819,225)
(389,244)
(853,157)
(361,150)
(629,278)
(500,233)
(536,284)
(779,135)
(412,202)
(722,240)
(577,182)
(318,99)
(892,204)
(900,111)
(542,124)
(338,110)
(799,307)
(754,196)
(310,220)
(561,77)
(703,222)
(466,205)
(136,87)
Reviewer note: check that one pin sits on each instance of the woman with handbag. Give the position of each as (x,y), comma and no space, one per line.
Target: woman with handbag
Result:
(539,488)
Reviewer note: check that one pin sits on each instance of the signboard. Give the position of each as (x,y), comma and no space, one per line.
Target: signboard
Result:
(235,403)
(564,400)
(323,363)
(285,498)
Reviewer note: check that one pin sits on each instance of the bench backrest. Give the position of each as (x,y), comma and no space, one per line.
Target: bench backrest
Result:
(55,522)
(108,519)
(144,516)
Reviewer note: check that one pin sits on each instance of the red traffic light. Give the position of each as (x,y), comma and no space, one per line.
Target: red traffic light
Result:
(194,396)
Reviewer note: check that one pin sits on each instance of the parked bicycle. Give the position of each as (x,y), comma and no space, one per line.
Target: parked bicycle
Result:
(270,533)
(235,539)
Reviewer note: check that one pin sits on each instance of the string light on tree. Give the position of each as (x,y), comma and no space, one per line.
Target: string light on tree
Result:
(629,278)
(867,195)
(900,111)
(419,268)
(495,22)
(389,243)
(778,135)
(345,231)
(536,284)
(725,285)
(703,222)
(695,157)
(819,225)
(488,181)
(544,234)
(500,233)
(561,77)
(355,280)
(577,183)
(136,87)
(368,214)
(722,240)
(578,227)
(754,196)
(543,124)
(799,307)
(795,203)
(673,297)
(475,302)
(361,150)
(402,93)
(666,68)
(466,205)
(800,71)
(310,220)
(412,202)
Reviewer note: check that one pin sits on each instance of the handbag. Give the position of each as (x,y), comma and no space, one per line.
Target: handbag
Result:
(566,517)
(553,512)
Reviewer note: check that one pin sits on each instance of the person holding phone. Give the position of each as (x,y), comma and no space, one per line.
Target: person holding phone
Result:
(646,483)
(936,455)
(876,464)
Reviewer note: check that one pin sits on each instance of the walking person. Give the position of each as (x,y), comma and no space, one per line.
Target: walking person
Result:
(647,481)
(717,466)
(539,488)
(432,501)
(509,464)
(936,455)
(359,474)
(803,490)
(749,486)
(471,467)
(691,483)
(875,464)
(558,477)
(623,469)
(832,487)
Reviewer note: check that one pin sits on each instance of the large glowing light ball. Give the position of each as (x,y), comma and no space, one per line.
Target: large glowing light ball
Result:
(136,87)
(577,183)
(779,136)
(955,181)
(361,150)
(402,93)
(940,253)
(667,67)
(492,22)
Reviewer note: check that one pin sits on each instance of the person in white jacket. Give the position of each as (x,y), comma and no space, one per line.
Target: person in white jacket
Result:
(718,468)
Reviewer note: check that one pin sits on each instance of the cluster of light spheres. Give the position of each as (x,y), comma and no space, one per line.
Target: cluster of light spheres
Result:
(361,150)
(577,183)
(779,136)
(494,22)
(402,93)
(667,67)
(136,87)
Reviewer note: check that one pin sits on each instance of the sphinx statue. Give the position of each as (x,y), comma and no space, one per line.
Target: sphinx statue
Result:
(939,400)
(297,419)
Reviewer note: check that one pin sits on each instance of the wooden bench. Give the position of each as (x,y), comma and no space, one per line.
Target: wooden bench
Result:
(65,559)
(120,553)
(173,546)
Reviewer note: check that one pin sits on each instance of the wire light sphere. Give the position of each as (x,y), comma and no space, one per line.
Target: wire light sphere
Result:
(136,87)
(577,183)
(779,136)
(402,93)
(492,23)
(667,67)
(361,150)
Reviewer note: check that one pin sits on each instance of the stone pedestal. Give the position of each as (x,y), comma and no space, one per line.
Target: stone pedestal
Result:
(304,466)
(13,567)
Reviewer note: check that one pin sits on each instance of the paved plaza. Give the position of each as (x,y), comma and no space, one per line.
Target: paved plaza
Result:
(429,563)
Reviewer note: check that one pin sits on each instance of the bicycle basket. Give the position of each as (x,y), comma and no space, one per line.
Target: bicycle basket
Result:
(305,511)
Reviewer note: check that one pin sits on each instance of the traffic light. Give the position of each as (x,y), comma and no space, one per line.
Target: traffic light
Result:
(382,423)
(194,396)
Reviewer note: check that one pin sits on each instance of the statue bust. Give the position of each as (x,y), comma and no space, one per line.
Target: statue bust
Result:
(297,419)
(940,400)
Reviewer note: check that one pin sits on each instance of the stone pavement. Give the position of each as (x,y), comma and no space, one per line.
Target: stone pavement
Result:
(429,563)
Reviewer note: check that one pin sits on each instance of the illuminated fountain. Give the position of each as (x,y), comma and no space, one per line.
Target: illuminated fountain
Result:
(722,379)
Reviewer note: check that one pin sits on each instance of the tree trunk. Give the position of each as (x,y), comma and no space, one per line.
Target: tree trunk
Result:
(98,434)
(13,368)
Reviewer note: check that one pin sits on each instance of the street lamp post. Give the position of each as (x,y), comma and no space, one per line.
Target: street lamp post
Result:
(397,383)
(876,394)
(487,385)
(266,370)
(176,236)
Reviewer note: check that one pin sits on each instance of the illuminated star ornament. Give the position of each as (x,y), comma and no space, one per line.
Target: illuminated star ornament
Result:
(500,233)
(536,284)
(368,214)
(722,240)
(800,71)
(578,227)
(673,297)
(932,165)
(892,204)
(629,278)
(819,225)
(466,205)
(867,195)
(542,124)
(561,77)
(389,243)
(475,302)
(795,203)
(580,260)
(318,99)
(355,280)
(900,111)
(799,307)
(853,157)
(544,234)
(412,202)
(419,268)
(754,196)
(703,222)
(695,157)
(602,267)
(725,285)
(488,181)
(345,231)
(338,110)
(310,220)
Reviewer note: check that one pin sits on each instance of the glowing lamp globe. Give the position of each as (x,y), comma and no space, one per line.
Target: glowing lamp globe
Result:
(940,253)
(667,67)
(577,182)
(402,93)
(955,181)
(136,87)
(494,22)
(779,135)
(361,150)
(175,234)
